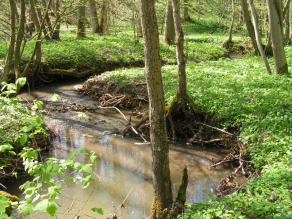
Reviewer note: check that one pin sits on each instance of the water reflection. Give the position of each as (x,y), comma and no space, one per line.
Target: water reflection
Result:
(121,165)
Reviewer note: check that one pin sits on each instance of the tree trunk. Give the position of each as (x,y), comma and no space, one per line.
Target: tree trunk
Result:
(40,16)
(56,33)
(232,22)
(158,135)
(81,20)
(249,25)
(169,31)
(93,16)
(19,40)
(182,84)
(38,28)
(254,17)
(287,27)
(186,11)
(9,55)
(276,29)
(48,21)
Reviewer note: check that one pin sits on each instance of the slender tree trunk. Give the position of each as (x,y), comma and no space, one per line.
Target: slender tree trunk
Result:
(249,25)
(10,53)
(254,17)
(40,16)
(56,33)
(20,35)
(16,13)
(287,27)
(291,20)
(81,20)
(182,83)
(232,22)
(169,31)
(158,135)
(276,29)
(38,28)
(93,16)
(48,21)
(186,11)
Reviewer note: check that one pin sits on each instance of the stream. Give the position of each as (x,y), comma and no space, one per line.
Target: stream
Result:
(123,167)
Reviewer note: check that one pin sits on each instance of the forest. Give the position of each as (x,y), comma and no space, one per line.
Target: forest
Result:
(211,74)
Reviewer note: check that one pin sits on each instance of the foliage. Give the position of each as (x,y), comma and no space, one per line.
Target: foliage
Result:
(241,94)
(24,127)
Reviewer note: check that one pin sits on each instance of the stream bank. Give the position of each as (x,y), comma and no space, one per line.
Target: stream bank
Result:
(122,165)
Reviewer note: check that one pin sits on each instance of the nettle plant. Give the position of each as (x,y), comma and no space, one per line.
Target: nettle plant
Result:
(42,170)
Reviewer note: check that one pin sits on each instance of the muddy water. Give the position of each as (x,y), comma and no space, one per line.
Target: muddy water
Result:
(123,167)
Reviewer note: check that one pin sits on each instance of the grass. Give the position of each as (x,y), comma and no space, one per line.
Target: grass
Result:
(241,94)
(94,51)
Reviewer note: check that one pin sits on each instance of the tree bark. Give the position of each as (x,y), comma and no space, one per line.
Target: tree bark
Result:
(276,29)
(158,135)
(93,16)
(287,26)
(19,40)
(81,20)
(249,26)
(186,11)
(56,33)
(10,53)
(182,81)
(169,31)
(257,34)
(232,22)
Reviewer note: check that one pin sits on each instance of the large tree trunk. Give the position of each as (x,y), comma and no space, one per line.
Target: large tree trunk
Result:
(158,135)
(81,20)
(169,32)
(93,16)
(10,53)
(257,34)
(249,26)
(276,29)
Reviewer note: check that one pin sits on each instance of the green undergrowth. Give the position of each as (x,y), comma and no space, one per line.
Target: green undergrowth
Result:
(95,51)
(20,127)
(241,94)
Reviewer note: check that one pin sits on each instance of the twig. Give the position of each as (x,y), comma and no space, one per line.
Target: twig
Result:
(69,208)
(129,123)
(3,186)
(221,130)
(122,204)
(88,197)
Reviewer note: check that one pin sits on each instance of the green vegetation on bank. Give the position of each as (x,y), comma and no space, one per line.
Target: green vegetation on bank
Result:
(241,94)
(95,51)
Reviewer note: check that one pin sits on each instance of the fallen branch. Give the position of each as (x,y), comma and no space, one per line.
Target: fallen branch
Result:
(221,130)
(128,122)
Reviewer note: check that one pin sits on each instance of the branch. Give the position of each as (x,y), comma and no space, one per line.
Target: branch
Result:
(286,8)
(221,130)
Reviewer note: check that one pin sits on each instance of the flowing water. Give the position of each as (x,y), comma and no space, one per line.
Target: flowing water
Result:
(123,167)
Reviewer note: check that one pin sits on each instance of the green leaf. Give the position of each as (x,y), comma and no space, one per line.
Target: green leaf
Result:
(85,184)
(27,209)
(71,154)
(3,216)
(3,203)
(42,205)
(27,128)
(87,169)
(46,177)
(51,209)
(23,139)
(21,81)
(97,210)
